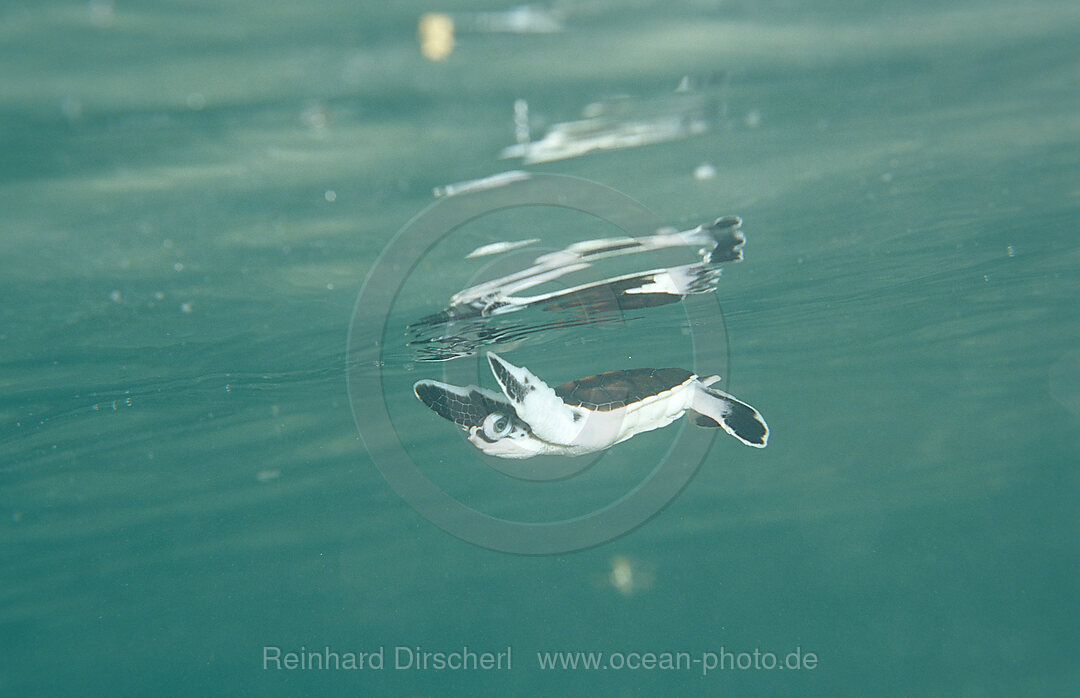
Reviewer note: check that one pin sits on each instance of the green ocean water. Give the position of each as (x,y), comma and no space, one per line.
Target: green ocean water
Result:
(192,194)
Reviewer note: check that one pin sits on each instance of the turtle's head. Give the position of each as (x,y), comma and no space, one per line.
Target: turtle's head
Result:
(502,434)
(489,419)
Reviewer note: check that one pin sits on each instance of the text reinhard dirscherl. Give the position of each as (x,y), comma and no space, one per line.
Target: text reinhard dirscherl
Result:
(399,657)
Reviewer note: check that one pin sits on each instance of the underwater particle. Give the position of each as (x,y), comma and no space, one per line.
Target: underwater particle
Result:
(704,171)
(315,116)
(1010,250)
(622,575)
(72,108)
(186,307)
(116,296)
(629,577)
(524,19)
(267,475)
(330,195)
(436,35)
(102,12)
(179,266)
(753,119)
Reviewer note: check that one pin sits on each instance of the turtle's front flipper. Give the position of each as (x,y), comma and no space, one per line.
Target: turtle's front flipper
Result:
(716,408)
(465,406)
(536,403)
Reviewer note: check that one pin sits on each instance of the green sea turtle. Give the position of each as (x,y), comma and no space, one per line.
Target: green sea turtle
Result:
(586,415)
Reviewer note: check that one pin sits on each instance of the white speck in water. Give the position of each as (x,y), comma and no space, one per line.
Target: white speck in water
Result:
(330,195)
(159,295)
(622,575)
(186,307)
(195,101)
(629,577)
(315,117)
(179,266)
(886,177)
(71,108)
(753,119)
(267,475)
(101,12)
(330,286)
(116,296)
(1010,250)
(704,171)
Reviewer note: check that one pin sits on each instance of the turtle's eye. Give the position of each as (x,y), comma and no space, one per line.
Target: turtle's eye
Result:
(497,425)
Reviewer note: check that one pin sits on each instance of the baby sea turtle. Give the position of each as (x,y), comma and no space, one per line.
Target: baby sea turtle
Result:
(585,415)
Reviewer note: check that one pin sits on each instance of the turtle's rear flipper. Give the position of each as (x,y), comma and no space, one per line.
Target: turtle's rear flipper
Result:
(715,408)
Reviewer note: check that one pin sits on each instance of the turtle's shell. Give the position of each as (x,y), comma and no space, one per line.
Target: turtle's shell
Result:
(610,391)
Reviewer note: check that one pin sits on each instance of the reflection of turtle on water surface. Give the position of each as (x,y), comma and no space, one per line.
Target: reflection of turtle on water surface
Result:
(585,415)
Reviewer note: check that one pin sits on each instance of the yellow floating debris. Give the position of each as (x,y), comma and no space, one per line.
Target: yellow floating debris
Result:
(436,35)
